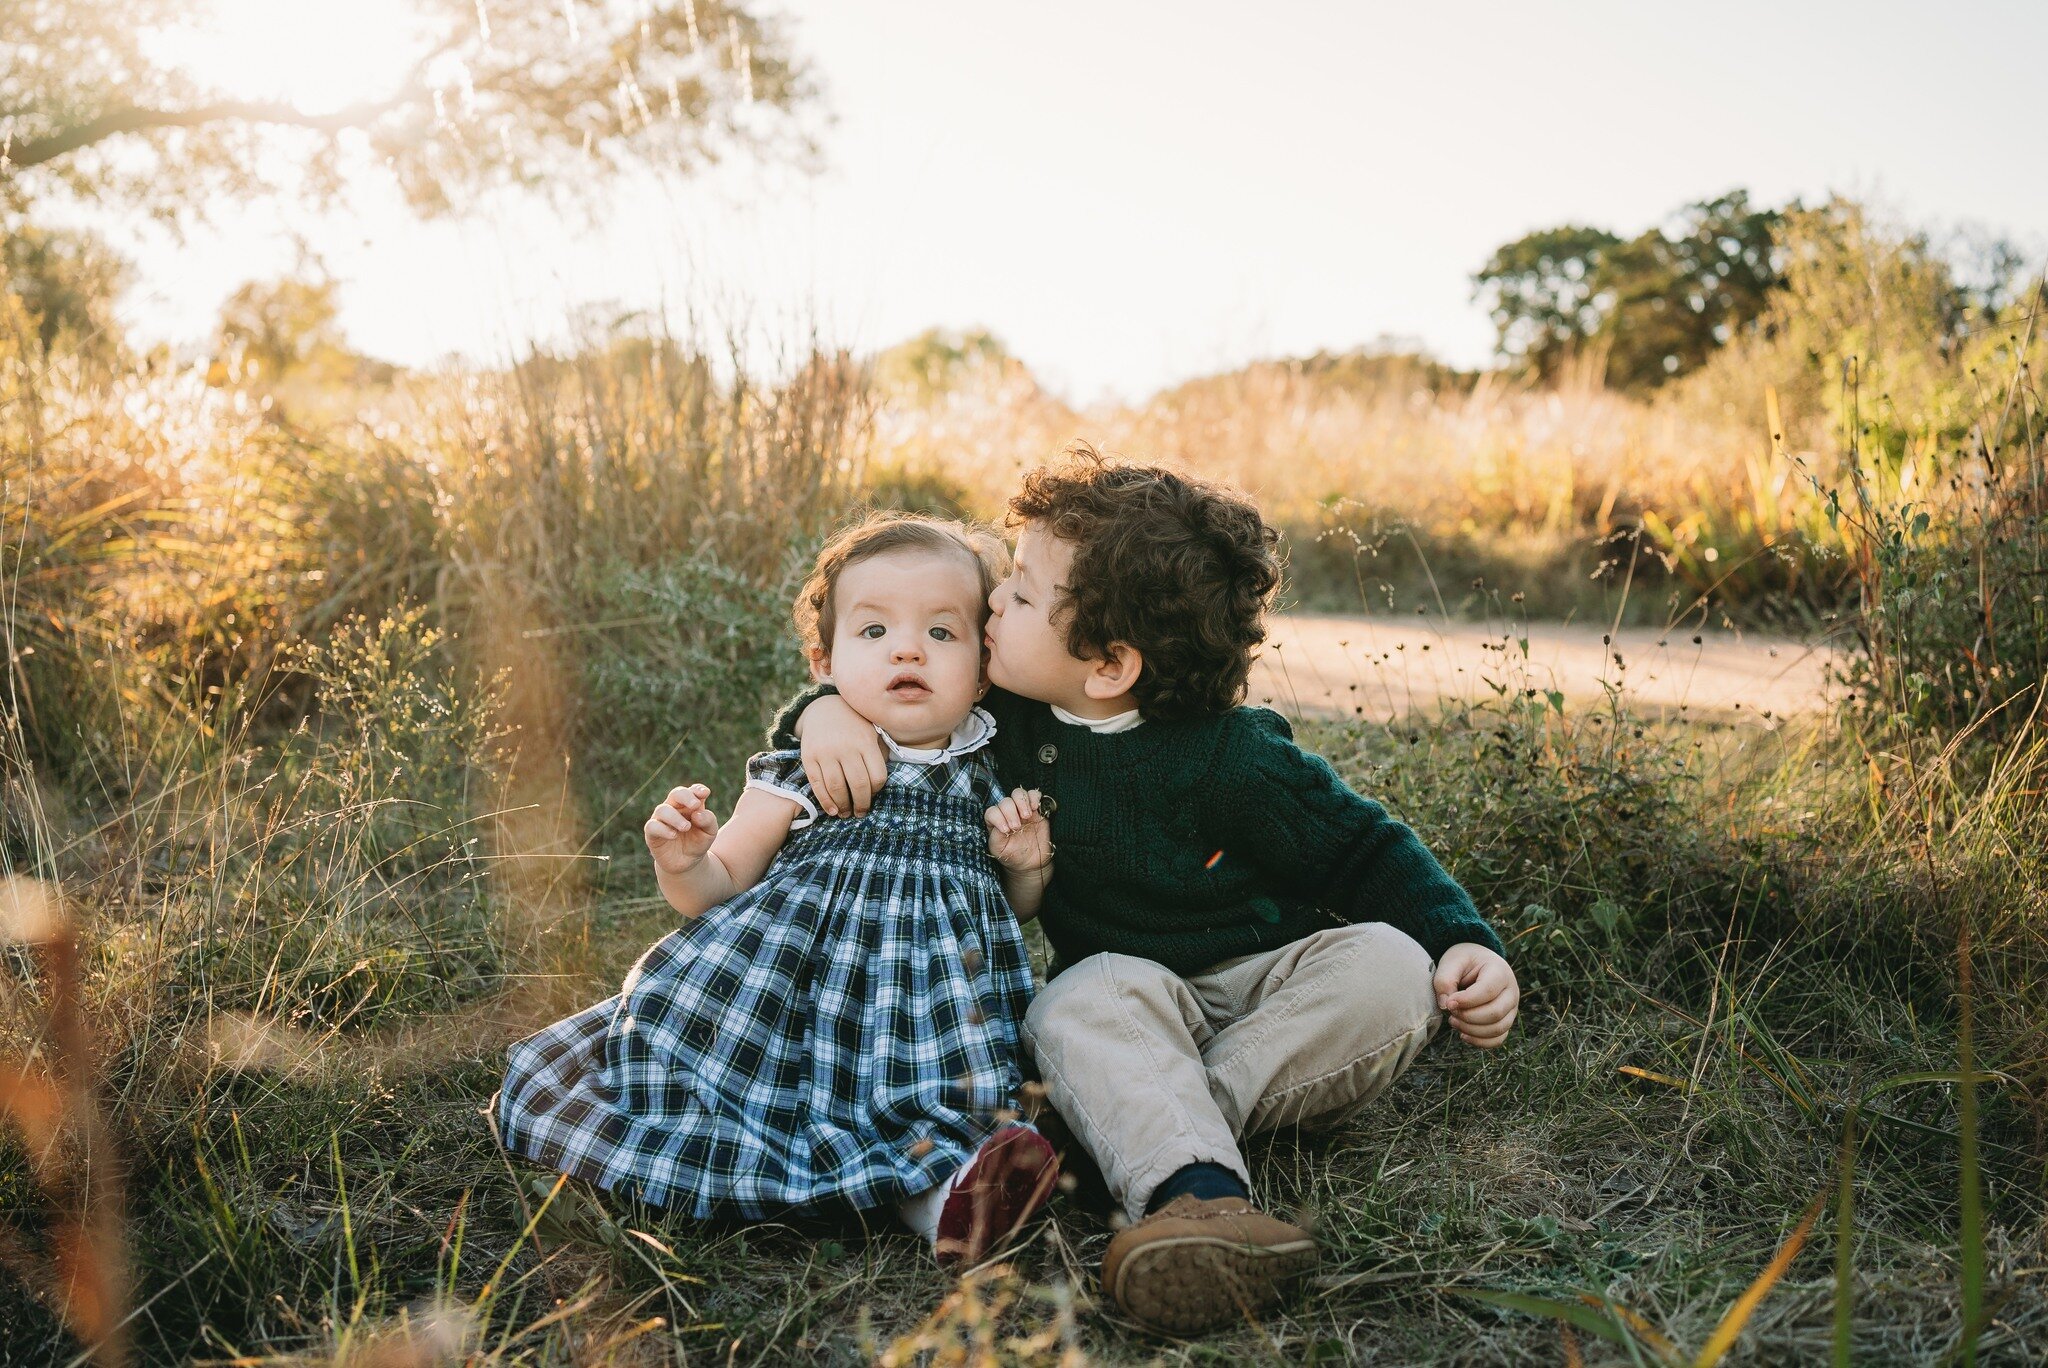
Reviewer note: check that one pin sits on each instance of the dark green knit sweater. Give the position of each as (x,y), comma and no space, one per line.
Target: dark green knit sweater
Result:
(1191,842)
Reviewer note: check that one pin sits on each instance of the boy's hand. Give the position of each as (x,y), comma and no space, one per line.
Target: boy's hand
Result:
(681,829)
(843,758)
(1018,835)
(1478,988)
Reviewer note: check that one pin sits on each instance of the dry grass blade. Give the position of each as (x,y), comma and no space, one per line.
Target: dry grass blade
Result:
(1745,1306)
(1648,1333)
(54,1104)
(1845,1244)
(1592,1314)
(1971,1235)
(1666,1079)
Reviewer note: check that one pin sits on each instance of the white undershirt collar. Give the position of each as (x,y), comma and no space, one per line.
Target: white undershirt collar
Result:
(1101,726)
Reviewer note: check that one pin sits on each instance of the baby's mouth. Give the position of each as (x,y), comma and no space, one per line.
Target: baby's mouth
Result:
(908,688)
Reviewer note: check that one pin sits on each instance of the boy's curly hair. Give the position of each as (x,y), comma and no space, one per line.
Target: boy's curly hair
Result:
(1178,568)
(877,533)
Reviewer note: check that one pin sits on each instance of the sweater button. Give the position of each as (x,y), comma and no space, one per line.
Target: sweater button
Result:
(1047,805)
(1048,753)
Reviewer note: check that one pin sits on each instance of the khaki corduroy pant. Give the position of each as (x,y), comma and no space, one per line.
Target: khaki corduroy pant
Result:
(1154,1071)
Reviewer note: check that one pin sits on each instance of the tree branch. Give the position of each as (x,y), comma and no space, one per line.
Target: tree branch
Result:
(134,119)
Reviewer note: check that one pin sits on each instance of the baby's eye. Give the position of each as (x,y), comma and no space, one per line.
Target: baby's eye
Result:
(942,634)
(873,631)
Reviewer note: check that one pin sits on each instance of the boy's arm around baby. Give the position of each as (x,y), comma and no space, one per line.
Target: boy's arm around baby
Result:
(844,762)
(1287,811)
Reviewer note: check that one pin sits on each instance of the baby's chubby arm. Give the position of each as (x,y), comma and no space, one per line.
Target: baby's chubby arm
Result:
(1478,988)
(700,864)
(842,754)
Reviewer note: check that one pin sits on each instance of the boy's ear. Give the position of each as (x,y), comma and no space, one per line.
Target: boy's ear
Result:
(821,664)
(1115,674)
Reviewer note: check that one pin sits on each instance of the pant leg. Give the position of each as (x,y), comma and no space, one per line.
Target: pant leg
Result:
(1119,1041)
(1315,1030)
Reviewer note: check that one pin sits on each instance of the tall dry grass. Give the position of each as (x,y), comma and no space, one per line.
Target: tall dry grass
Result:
(1400,484)
(320,733)
(296,729)
(1394,489)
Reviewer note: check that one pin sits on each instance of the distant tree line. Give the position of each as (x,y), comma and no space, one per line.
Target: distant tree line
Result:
(1656,306)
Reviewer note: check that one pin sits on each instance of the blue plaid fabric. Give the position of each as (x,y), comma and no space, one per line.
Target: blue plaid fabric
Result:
(844,1032)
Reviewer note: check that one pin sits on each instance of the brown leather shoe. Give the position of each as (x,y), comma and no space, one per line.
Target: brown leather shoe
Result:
(1194,1265)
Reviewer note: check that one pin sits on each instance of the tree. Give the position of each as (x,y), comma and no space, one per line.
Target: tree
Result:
(1678,296)
(273,329)
(1542,293)
(937,359)
(526,92)
(68,282)
(1660,303)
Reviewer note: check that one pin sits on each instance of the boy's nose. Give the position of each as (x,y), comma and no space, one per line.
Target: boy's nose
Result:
(910,650)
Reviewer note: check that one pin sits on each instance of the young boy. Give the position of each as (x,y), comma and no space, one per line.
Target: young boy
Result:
(1241,942)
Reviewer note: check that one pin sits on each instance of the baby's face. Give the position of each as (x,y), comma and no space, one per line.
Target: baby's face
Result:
(906,642)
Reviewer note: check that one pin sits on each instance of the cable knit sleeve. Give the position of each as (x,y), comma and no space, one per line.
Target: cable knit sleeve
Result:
(1000,704)
(782,731)
(1284,809)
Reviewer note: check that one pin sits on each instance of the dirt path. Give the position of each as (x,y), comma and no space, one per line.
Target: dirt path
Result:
(1337,663)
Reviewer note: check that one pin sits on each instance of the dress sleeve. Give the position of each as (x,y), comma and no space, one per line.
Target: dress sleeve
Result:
(781,772)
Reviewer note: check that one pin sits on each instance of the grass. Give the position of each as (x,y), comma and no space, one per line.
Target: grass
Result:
(324,745)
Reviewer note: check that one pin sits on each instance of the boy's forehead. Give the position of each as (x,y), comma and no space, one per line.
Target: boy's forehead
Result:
(1040,554)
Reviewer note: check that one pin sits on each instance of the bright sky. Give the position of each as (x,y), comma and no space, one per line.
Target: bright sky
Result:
(1133,193)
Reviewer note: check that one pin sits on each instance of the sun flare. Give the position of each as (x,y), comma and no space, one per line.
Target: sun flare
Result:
(316,55)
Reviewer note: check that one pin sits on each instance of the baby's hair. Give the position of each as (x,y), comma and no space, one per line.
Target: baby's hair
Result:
(882,532)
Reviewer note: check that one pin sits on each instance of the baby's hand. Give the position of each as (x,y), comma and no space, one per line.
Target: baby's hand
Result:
(681,829)
(1018,835)
(1478,988)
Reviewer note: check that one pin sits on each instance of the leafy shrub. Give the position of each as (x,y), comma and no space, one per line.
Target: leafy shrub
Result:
(681,665)
(348,882)
(1560,822)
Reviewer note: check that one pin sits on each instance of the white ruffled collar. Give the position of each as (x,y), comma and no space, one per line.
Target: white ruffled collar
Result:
(973,733)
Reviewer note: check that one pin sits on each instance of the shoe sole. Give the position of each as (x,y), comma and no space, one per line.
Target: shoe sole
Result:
(1198,1283)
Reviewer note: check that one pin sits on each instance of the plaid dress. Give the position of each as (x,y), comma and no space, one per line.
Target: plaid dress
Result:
(842,1033)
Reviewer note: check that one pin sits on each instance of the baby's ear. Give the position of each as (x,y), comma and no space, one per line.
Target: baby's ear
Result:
(821,664)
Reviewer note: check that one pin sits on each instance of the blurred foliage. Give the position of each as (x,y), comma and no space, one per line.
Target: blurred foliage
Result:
(67,281)
(938,361)
(520,92)
(1898,404)
(289,329)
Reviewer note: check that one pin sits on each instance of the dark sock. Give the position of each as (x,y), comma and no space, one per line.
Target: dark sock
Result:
(1204,1181)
